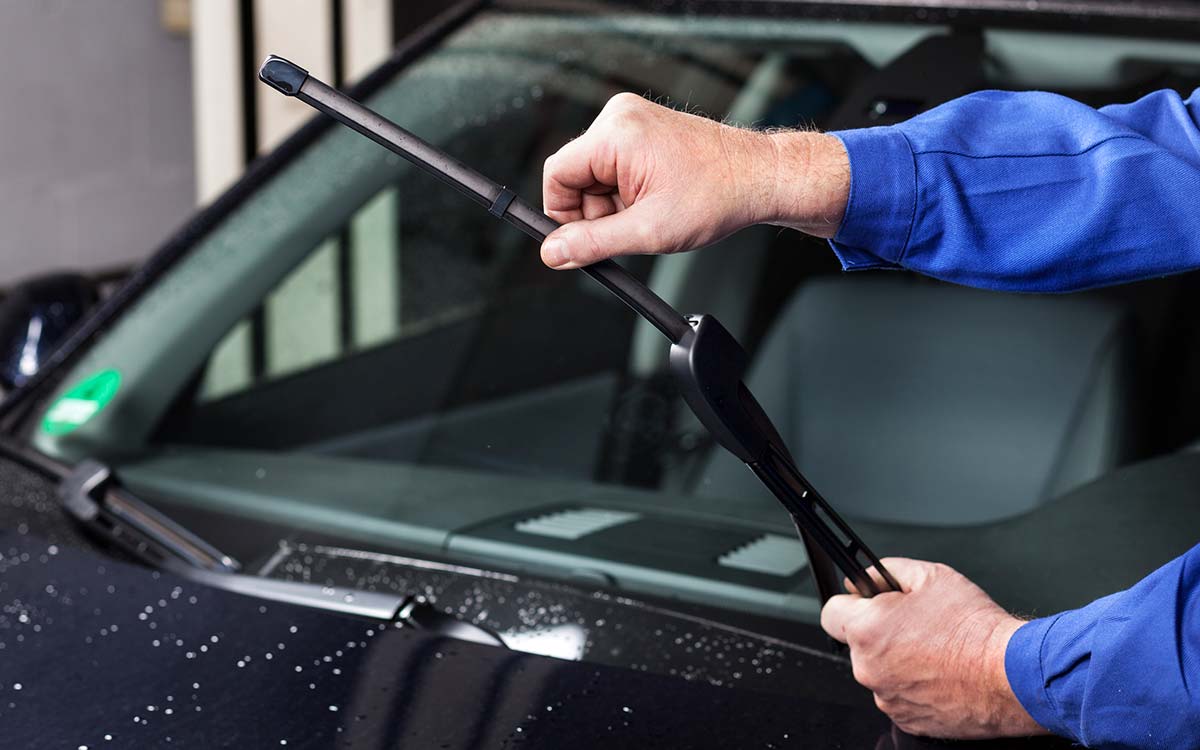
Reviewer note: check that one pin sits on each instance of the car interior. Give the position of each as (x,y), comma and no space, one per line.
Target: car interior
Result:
(519,417)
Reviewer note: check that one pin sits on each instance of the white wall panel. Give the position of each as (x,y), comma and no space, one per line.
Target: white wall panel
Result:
(367,31)
(301,31)
(217,96)
(95,135)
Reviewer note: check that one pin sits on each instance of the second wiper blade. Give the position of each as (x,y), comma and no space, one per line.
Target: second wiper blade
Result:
(705,359)
(91,494)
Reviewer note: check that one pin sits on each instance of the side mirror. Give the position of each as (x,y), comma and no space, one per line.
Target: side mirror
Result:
(35,316)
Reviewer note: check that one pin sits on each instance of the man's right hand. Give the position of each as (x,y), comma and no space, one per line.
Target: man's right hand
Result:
(645,179)
(933,654)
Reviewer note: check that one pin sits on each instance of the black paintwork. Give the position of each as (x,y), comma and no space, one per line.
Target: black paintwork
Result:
(1162,18)
(103,647)
(610,629)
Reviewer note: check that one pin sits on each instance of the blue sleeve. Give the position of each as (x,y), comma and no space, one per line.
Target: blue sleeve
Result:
(1123,671)
(1028,191)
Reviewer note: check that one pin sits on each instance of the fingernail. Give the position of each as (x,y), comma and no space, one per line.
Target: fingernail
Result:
(554,253)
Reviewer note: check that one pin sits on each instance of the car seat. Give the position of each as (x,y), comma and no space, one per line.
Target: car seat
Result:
(912,402)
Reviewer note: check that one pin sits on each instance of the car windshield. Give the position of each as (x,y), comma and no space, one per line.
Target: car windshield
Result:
(356,350)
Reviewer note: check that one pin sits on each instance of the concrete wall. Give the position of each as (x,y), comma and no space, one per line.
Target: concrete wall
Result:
(95,134)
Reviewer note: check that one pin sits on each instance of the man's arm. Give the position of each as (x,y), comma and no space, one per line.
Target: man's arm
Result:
(944,660)
(1124,671)
(1022,191)
(1028,191)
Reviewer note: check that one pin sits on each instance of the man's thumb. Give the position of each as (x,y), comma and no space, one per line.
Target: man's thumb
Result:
(586,241)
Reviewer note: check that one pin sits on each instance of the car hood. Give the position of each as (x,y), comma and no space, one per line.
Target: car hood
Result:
(99,653)
(97,649)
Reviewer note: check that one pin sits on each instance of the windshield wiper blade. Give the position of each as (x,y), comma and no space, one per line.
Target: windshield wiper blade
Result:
(705,359)
(91,494)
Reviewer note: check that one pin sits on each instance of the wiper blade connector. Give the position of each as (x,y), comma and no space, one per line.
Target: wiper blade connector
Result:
(706,360)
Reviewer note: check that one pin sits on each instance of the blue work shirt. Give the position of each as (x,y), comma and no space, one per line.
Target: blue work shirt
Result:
(1035,192)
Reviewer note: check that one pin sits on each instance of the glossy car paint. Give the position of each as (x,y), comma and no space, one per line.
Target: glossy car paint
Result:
(103,653)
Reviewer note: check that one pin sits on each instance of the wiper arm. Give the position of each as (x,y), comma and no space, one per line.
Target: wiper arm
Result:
(91,494)
(705,359)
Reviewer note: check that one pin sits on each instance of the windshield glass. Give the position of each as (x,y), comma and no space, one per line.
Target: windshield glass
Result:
(357,350)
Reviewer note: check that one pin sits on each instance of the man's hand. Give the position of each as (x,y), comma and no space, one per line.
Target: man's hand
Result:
(933,655)
(646,179)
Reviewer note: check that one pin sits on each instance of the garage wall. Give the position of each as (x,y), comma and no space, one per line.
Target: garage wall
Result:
(95,134)
(323,307)
(118,117)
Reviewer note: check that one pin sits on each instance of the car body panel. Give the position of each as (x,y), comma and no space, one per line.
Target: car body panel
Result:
(104,653)
(102,648)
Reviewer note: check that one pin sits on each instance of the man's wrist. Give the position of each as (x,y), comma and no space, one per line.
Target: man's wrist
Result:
(810,176)
(1010,716)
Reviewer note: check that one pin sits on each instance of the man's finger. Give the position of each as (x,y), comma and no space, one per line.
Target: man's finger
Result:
(839,611)
(910,574)
(576,167)
(598,206)
(880,582)
(582,243)
(907,573)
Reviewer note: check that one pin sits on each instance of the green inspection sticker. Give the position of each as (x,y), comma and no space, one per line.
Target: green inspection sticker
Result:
(81,403)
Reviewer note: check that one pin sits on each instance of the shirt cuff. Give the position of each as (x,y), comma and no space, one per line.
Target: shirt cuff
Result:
(883,199)
(1023,667)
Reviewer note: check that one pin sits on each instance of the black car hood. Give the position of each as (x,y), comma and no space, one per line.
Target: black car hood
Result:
(99,653)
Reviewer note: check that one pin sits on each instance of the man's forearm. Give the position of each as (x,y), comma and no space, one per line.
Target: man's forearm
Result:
(1122,671)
